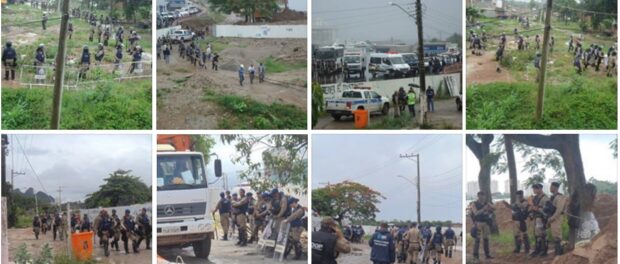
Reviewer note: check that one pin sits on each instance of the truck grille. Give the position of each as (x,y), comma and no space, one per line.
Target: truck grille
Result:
(175,210)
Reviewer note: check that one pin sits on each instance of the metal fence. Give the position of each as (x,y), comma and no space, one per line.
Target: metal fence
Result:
(44,76)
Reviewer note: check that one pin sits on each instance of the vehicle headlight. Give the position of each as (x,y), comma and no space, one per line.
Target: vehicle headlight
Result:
(201,227)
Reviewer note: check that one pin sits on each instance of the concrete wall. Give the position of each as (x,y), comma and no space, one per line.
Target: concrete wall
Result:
(264,31)
(120,210)
(448,84)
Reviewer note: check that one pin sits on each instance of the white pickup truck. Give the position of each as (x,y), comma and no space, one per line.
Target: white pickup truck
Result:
(352,99)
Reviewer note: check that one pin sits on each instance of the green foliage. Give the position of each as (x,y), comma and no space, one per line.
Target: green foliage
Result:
(245,7)
(273,65)
(579,104)
(472,14)
(613,145)
(121,188)
(284,160)
(203,144)
(317,102)
(249,114)
(347,199)
(46,255)
(604,186)
(110,106)
(22,256)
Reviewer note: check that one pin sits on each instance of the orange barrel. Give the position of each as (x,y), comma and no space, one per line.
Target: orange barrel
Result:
(82,245)
(361,118)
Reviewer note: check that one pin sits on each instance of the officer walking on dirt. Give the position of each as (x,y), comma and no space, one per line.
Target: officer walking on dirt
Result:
(482,211)
(9,60)
(144,229)
(215,61)
(99,55)
(44,21)
(382,246)
(136,58)
(519,227)
(241,76)
(328,243)
(56,226)
(430,95)
(36,226)
(84,62)
(116,229)
(436,244)
(449,241)
(105,229)
(241,217)
(537,212)
(556,210)
(294,216)
(223,206)
(128,226)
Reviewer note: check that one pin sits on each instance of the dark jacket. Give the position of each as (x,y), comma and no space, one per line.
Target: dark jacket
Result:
(382,247)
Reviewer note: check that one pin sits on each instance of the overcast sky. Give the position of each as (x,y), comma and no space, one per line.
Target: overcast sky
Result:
(598,161)
(227,152)
(376,20)
(78,163)
(373,160)
(299,5)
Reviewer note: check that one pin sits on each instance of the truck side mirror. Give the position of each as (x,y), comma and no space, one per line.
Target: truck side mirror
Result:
(218,167)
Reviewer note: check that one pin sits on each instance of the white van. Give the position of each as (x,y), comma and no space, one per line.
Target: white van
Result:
(390,64)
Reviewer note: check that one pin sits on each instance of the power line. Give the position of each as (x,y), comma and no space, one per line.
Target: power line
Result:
(586,11)
(350,9)
(30,164)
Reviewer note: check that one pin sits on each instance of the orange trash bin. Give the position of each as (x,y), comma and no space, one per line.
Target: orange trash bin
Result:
(82,245)
(361,118)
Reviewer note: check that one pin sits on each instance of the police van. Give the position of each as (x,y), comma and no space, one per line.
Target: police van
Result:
(388,64)
(183,217)
(357,97)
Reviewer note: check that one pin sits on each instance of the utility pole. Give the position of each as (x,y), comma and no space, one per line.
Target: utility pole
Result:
(13,173)
(5,142)
(60,65)
(59,196)
(417,156)
(418,9)
(543,64)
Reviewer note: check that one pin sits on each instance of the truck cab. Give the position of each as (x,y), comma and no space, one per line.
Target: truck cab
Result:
(183,217)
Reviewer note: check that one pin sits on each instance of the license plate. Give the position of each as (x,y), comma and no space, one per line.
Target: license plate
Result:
(171,229)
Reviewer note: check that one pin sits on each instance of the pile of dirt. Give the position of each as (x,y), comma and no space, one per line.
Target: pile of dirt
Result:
(290,16)
(602,206)
(254,51)
(602,249)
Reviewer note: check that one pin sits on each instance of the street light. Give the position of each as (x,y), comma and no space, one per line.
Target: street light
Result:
(414,186)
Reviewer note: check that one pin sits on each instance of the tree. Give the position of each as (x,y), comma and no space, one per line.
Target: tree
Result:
(568,147)
(317,102)
(203,144)
(248,8)
(486,159)
(120,188)
(284,160)
(472,14)
(613,145)
(512,168)
(347,199)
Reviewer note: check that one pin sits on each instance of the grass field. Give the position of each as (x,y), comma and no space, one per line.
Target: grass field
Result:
(103,104)
(572,101)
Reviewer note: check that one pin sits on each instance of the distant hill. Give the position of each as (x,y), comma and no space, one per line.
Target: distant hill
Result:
(41,196)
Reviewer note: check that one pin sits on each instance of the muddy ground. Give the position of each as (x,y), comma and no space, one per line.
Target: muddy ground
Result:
(25,235)
(181,86)
(360,253)
(445,114)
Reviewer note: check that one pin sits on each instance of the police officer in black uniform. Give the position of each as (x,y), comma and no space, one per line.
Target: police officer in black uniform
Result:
(105,229)
(382,246)
(328,243)
(144,229)
(84,62)
(9,60)
(137,57)
(224,206)
(128,231)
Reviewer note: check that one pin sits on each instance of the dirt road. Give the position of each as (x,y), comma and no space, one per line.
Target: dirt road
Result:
(182,87)
(483,69)
(17,237)
(445,115)
(360,253)
(224,252)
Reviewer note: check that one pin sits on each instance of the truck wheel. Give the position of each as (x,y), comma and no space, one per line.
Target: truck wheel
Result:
(386,109)
(202,249)
(336,117)
(459,105)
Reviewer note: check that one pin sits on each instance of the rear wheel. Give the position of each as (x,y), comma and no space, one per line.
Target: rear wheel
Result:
(202,248)
(336,117)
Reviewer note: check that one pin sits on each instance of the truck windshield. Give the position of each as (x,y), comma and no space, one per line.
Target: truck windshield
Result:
(397,60)
(180,172)
(352,59)
(326,54)
(352,94)
(410,58)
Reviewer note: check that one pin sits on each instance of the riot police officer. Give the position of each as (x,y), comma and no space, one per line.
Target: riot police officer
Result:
(36,226)
(84,62)
(260,215)
(519,228)
(537,213)
(223,206)
(128,226)
(241,217)
(436,243)
(100,53)
(105,228)
(482,211)
(144,229)
(116,229)
(294,215)
(9,60)
(135,61)
(328,243)
(413,241)
(555,209)
(382,246)
(449,241)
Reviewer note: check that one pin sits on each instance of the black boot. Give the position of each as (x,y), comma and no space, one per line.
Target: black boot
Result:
(544,248)
(244,239)
(12,74)
(135,247)
(225,237)
(487,251)
(537,248)
(517,245)
(298,251)
(526,242)
(125,244)
(445,253)
(148,243)
(477,248)
(6,75)
(450,254)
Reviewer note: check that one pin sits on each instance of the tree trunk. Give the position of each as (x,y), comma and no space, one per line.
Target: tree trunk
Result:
(568,146)
(482,150)
(512,168)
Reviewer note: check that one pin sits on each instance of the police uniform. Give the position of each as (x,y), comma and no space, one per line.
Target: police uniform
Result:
(449,241)
(105,229)
(84,62)
(129,226)
(144,227)
(260,213)
(326,244)
(294,219)
(436,244)
(9,60)
(241,217)
(519,225)
(482,220)
(278,209)
(223,206)
(556,219)
(36,226)
(116,229)
(414,240)
(382,247)
(537,212)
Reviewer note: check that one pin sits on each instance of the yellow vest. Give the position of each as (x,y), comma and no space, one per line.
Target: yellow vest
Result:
(411,98)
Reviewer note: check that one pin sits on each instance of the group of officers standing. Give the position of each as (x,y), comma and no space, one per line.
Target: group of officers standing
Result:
(106,226)
(543,213)
(404,244)
(252,217)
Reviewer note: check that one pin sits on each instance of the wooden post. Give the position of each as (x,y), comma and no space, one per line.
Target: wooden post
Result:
(543,64)
(60,66)
(421,68)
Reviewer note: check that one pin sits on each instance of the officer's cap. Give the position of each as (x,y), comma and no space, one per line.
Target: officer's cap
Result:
(274,191)
(234,194)
(520,192)
(292,200)
(222,194)
(249,194)
(265,195)
(555,184)
(8,43)
(127,211)
(328,221)
(537,186)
